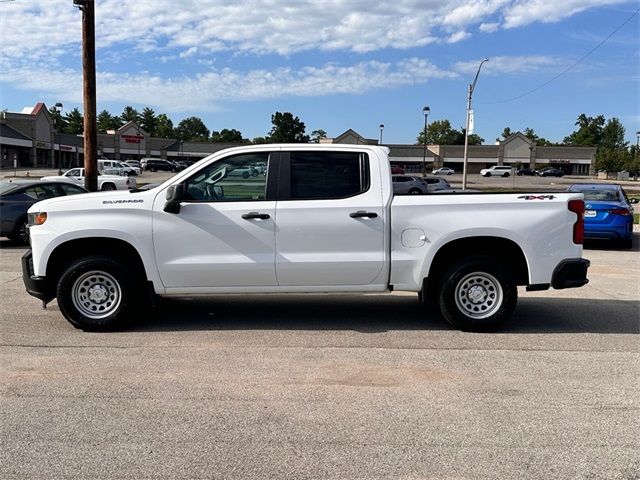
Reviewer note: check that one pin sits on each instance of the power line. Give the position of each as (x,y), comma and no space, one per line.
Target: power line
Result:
(569,68)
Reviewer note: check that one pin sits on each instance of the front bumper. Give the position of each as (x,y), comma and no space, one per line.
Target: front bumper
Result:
(38,287)
(570,273)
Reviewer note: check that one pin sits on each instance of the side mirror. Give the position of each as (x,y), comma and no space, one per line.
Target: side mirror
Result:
(175,195)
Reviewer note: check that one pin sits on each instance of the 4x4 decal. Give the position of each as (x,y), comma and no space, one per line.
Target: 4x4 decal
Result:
(538,197)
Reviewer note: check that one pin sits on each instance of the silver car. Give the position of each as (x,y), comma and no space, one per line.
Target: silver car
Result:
(416,185)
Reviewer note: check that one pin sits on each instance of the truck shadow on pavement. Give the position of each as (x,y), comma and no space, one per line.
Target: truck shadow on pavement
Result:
(382,313)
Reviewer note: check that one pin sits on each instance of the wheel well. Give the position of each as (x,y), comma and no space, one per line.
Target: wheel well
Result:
(503,250)
(82,247)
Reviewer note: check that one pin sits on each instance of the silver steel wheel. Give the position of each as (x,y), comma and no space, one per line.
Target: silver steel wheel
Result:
(96,294)
(479,295)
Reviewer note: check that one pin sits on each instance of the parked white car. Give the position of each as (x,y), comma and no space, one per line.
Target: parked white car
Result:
(105,182)
(497,171)
(443,171)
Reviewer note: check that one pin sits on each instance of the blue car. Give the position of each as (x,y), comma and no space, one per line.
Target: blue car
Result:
(608,213)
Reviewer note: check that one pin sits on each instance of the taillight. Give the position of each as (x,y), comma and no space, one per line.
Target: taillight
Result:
(577,207)
(620,211)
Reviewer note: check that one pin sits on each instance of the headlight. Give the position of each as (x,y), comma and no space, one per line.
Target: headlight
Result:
(36,218)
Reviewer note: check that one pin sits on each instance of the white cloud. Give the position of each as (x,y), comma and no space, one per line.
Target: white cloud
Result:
(509,65)
(458,37)
(208,91)
(524,12)
(31,29)
(488,27)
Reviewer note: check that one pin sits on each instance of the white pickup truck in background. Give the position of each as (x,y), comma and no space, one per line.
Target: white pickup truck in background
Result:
(321,218)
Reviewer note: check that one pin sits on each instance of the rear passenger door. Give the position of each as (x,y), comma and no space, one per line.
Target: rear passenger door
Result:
(329,220)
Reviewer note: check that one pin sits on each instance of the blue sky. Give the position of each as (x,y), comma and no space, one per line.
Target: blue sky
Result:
(336,64)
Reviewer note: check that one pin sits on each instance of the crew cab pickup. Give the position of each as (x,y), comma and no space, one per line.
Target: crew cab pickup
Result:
(322,219)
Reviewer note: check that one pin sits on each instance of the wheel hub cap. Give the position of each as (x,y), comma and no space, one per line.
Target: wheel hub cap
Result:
(479,295)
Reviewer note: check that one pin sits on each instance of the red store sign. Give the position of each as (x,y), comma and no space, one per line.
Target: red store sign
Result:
(132,138)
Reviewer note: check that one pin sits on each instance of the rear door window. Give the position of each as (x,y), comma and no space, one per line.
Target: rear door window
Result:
(327,175)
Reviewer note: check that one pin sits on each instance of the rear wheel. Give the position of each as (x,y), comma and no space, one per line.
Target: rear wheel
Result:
(506,175)
(415,191)
(477,294)
(96,293)
(108,186)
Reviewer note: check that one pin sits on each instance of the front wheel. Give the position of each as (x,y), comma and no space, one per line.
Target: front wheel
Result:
(21,232)
(96,293)
(477,294)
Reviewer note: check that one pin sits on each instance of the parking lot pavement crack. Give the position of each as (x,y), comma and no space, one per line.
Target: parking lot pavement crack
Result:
(5,282)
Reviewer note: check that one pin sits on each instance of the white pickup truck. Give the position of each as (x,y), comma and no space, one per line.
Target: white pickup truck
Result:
(322,219)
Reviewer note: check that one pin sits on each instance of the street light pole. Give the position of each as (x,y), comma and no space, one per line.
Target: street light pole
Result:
(381,128)
(425,111)
(466,131)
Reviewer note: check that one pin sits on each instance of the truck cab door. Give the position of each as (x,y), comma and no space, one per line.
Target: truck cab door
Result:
(330,220)
(223,234)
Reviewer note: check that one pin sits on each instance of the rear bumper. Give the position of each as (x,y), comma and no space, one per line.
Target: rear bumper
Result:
(570,273)
(36,286)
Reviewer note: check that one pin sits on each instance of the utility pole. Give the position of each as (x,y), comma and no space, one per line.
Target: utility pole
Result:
(89,93)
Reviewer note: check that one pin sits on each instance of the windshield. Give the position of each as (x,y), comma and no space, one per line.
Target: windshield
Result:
(604,195)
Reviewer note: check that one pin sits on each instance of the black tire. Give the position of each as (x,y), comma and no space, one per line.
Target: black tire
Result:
(477,294)
(506,175)
(153,169)
(21,232)
(245,174)
(96,293)
(626,243)
(415,191)
(487,174)
(108,187)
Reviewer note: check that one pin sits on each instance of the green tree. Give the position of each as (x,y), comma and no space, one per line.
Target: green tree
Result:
(164,126)
(318,135)
(130,114)
(611,159)
(106,121)
(149,121)
(75,122)
(192,128)
(59,123)
(613,135)
(227,136)
(260,140)
(287,129)
(531,135)
(589,132)
(506,133)
(440,132)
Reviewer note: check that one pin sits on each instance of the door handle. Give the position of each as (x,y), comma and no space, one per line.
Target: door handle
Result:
(255,216)
(363,214)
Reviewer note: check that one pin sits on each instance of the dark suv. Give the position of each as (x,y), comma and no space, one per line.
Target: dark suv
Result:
(156,164)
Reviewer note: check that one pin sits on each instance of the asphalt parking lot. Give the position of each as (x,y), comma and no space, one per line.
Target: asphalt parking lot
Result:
(326,387)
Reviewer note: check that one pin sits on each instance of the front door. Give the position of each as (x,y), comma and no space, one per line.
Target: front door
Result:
(224,233)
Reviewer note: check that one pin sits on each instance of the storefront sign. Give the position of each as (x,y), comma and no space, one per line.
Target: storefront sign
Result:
(132,138)
(40,144)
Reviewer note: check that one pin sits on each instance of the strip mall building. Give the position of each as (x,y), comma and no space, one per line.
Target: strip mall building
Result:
(28,139)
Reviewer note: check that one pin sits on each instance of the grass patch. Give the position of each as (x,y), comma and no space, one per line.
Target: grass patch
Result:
(636,218)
